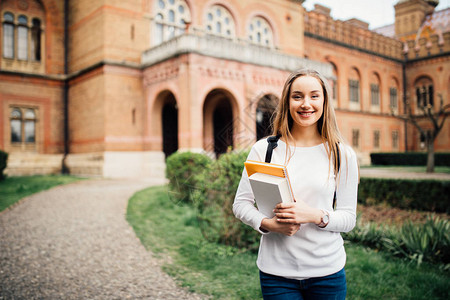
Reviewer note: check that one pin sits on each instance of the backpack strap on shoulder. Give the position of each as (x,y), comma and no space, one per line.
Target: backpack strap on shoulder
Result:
(272,144)
(338,157)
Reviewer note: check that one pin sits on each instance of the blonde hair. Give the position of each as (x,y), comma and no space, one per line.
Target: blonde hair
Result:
(326,125)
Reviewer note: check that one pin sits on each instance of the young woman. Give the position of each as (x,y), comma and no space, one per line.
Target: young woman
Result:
(301,253)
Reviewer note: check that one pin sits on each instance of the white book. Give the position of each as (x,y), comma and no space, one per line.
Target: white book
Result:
(269,190)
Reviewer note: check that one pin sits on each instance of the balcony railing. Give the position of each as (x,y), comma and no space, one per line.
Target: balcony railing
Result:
(223,48)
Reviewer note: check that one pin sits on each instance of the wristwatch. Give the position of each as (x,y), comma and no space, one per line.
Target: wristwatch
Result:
(325,219)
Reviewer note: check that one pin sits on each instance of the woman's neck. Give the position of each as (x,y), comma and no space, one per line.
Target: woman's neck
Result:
(305,136)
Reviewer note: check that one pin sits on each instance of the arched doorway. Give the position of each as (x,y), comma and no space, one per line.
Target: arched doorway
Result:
(264,112)
(218,125)
(169,123)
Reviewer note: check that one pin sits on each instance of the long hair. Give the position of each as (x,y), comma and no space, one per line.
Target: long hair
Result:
(326,125)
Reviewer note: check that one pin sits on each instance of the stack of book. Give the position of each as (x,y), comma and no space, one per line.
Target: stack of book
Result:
(270,185)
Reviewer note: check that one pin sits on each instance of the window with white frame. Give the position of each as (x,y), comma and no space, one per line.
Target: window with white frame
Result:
(170,19)
(260,32)
(21,39)
(8,35)
(220,22)
(23,125)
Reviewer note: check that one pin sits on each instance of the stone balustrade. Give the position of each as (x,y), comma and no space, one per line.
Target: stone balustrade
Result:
(237,50)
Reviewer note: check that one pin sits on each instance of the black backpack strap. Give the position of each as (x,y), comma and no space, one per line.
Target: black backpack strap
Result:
(338,157)
(272,144)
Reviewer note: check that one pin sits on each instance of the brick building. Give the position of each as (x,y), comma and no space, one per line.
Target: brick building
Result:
(112,87)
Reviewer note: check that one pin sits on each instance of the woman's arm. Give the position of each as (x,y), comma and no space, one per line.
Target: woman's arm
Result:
(343,218)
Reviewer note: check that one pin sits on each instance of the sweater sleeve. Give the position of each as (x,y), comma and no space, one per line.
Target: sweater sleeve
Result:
(244,203)
(343,218)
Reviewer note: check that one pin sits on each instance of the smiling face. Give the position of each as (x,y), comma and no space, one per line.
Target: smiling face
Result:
(306,101)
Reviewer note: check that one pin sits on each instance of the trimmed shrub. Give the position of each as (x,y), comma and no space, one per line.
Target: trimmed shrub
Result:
(3,163)
(215,204)
(184,169)
(426,195)
(408,159)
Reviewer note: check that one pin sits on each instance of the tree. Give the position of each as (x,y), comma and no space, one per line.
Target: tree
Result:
(427,111)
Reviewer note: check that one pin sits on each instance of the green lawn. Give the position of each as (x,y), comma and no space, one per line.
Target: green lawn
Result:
(12,189)
(170,230)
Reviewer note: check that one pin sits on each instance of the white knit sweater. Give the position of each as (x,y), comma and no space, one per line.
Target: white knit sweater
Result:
(312,251)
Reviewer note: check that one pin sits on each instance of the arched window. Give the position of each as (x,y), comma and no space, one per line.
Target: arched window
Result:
(260,32)
(424,92)
(8,35)
(23,125)
(36,40)
(16,126)
(30,126)
(22,38)
(393,95)
(220,22)
(264,111)
(334,82)
(374,90)
(354,89)
(375,98)
(170,20)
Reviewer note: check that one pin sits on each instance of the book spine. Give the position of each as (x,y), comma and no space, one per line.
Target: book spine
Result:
(289,183)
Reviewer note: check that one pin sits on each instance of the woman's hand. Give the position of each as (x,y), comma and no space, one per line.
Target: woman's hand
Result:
(274,226)
(297,213)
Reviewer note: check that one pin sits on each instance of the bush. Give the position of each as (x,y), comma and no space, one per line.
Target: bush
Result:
(417,242)
(183,169)
(3,163)
(408,159)
(428,242)
(368,234)
(215,203)
(427,195)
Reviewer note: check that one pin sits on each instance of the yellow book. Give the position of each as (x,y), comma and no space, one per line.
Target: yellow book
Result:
(270,185)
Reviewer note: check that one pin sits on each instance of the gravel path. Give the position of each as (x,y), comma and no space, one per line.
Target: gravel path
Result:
(73,242)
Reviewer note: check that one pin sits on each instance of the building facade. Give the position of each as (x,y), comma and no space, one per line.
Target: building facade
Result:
(111,88)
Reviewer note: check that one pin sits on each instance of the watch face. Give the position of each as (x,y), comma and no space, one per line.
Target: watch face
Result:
(325,219)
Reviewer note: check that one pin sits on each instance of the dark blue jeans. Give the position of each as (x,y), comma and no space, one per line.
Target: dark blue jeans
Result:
(329,287)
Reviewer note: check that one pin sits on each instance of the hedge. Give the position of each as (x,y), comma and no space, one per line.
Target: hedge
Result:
(183,169)
(3,163)
(216,219)
(426,195)
(409,159)
(210,186)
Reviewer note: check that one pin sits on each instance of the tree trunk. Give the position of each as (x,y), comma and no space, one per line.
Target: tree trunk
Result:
(430,158)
